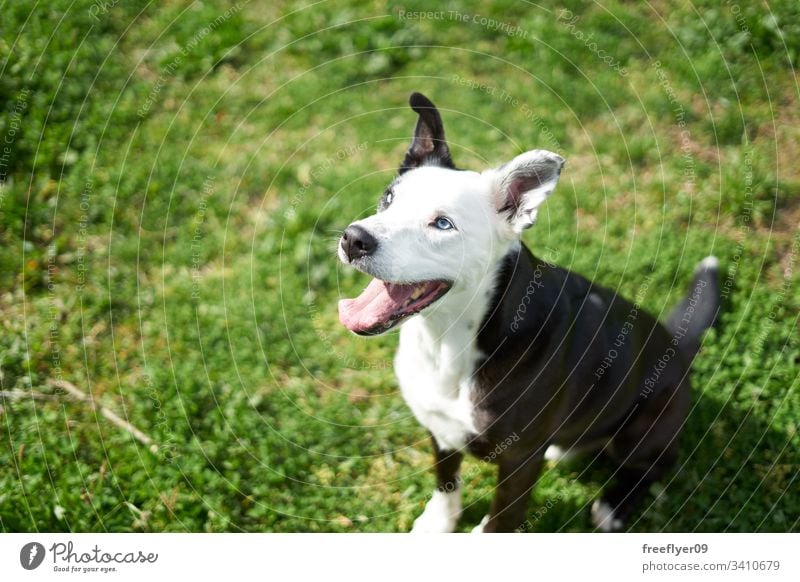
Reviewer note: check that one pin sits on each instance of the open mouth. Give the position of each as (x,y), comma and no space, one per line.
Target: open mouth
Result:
(382,305)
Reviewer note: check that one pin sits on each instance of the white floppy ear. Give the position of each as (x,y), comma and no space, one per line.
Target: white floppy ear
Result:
(523,184)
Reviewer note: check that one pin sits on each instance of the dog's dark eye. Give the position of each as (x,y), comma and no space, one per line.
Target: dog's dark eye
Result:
(443,223)
(386,200)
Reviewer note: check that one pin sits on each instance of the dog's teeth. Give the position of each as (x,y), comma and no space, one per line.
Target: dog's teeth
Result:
(418,292)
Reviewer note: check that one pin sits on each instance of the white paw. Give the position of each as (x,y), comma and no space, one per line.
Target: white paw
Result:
(479,528)
(441,513)
(603,517)
(556,454)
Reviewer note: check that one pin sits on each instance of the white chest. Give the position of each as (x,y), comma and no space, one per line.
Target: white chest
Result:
(435,370)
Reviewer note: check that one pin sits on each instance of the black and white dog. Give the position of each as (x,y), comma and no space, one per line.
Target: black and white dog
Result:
(581,369)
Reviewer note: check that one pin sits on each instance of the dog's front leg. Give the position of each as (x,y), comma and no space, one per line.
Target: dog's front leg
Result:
(515,479)
(444,506)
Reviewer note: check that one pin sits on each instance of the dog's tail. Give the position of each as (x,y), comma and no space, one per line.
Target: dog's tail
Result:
(698,310)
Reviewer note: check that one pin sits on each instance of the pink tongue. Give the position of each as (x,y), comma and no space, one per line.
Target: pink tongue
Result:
(376,304)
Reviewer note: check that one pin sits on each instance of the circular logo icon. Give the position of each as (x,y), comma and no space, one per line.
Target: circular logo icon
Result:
(31,555)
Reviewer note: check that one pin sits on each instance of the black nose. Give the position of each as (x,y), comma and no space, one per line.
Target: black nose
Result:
(357,242)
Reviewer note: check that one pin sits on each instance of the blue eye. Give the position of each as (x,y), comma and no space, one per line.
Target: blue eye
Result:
(389,198)
(443,223)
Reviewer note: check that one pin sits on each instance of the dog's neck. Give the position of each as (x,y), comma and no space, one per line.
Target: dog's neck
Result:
(450,330)
(468,302)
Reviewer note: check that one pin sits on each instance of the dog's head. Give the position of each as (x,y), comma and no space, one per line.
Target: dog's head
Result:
(438,228)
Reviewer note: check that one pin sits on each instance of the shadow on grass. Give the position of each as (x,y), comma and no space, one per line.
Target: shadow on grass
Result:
(735,474)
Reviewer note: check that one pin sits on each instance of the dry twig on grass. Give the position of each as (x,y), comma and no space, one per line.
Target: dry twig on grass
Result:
(13,395)
(112,417)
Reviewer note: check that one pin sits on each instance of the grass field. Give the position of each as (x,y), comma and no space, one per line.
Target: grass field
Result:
(174,178)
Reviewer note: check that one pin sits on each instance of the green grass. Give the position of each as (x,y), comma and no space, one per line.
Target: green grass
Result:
(172,194)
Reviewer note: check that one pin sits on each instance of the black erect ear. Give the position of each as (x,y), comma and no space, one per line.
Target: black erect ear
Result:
(428,145)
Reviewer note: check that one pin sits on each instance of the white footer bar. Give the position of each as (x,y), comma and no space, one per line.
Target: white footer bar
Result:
(389,557)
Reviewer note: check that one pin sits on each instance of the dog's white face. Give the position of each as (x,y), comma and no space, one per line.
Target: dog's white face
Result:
(438,228)
(432,224)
